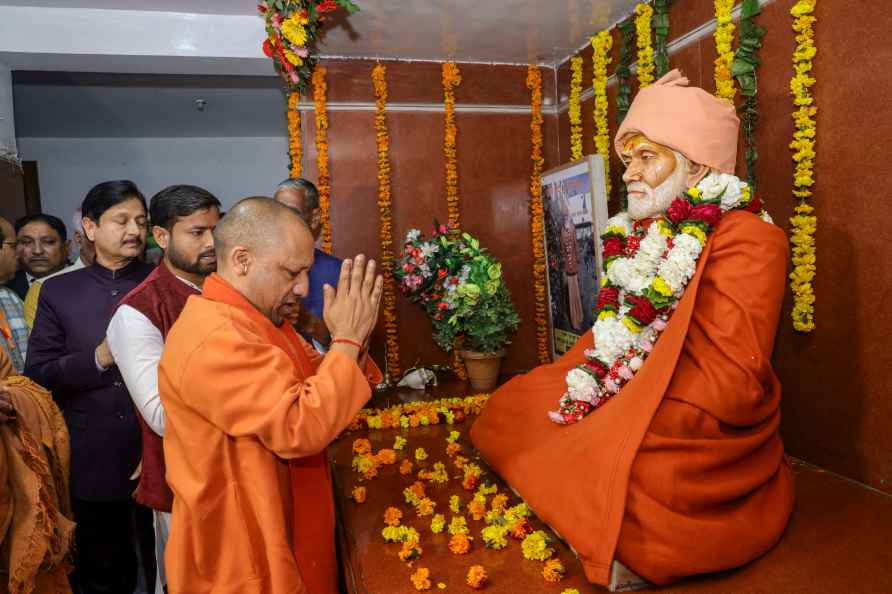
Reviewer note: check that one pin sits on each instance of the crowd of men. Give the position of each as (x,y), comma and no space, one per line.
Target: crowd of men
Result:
(195,420)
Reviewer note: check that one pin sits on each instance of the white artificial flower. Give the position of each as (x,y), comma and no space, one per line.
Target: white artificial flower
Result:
(581,385)
(635,363)
(612,338)
(711,186)
(622,220)
(429,249)
(733,193)
(412,235)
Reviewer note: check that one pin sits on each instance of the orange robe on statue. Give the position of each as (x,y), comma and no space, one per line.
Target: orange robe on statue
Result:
(683,471)
(242,398)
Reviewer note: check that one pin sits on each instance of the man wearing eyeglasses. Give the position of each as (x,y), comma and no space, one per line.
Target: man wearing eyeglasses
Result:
(13,331)
(42,250)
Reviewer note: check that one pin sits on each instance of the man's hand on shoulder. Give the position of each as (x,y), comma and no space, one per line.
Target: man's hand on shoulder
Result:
(351,310)
(104,357)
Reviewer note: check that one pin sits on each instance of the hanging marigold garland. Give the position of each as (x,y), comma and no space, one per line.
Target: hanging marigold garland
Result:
(804,222)
(323,183)
(643,15)
(575,110)
(385,224)
(537,214)
(451,78)
(724,36)
(602,44)
(295,150)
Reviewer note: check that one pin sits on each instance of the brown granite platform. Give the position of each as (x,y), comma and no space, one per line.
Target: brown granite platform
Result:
(839,539)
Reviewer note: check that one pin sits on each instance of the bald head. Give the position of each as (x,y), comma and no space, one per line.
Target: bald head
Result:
(255,223)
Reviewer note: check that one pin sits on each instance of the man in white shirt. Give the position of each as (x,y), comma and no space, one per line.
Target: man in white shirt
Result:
(183,219)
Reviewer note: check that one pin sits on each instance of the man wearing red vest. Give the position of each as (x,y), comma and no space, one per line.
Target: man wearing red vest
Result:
(183,220)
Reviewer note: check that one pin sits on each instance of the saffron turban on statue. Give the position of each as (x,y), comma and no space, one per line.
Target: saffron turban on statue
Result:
(689,120)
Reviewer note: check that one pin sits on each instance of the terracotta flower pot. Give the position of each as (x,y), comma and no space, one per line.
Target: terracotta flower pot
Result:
(483,369)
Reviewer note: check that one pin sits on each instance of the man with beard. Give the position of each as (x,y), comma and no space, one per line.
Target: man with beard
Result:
(42,250)
(656,438)
(183,220)
(69,355)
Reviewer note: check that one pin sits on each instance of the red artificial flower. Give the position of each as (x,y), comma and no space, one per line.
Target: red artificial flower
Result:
(268,48)
(642,310)
(443,305)
(755,205)
(613,246)
(608,296)
(326,6)
(710,214)
(441,273)
(678,210)
(632,245)
(262,7)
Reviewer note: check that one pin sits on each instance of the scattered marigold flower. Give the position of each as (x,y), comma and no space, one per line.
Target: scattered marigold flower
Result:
(425,507)
(499,502)
(412,498)
(438,523)
(418,488)
(458,525)
(420,454)
(517,512)
(452,449)
(569,591)
(454,504)
(411,550)
(399,443)
(470,482)
(535,546)
(460,462)
(358,494)
(362,446)
(453,436)
(477,577)
(399,534)
(386,456)
(553,570)
(477,509)
(460,544)
(521,528)
(441,586)
(494,537)
(421,579)
(414,421)
(406,467)
(392,516)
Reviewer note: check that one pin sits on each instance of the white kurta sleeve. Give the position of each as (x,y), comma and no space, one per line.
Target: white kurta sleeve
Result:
(136,344)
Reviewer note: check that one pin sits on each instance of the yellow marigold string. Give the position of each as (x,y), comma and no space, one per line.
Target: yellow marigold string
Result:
(803,223)
(602,44)
(323,183)
(295,150)
(645,69)
(724,36)
(385,222)
(537,214)
(575,109)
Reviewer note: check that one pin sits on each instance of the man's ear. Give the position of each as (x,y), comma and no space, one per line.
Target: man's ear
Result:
(316,218)
(162,236)
(696,173)
(89,228)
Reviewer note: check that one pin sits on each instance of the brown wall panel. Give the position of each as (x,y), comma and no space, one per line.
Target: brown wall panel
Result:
(836,407)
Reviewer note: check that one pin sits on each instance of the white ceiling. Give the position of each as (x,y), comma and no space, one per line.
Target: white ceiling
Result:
(515,31)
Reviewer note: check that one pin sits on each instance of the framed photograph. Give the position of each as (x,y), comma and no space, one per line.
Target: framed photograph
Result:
(575,201)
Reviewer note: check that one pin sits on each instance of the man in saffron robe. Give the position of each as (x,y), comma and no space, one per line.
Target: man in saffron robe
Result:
(243,394)
(682,471)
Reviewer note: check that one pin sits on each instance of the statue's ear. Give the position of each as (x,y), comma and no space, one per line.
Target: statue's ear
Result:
(696,172)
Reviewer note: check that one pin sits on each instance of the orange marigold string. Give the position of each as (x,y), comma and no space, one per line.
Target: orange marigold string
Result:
(295,150)
(385,222)
(323,183)
(537,214)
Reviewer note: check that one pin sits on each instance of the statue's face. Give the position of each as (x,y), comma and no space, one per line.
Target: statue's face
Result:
(655,175)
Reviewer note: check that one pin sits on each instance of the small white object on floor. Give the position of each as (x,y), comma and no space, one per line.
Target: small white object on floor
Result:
(623,579)
(418,379)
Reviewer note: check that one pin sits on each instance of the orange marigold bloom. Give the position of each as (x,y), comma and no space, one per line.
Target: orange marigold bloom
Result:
(386,456)
(452,449)
(425,507)
(553,570)
(460,461)
(421,579)
(392,516)
(411,550)
(477,577)
(460,544)
(499,502)
(414,420)
(362,446)
(521,528)
(359,494)
(418,488)
(477,509)
(470,482)
(406,467)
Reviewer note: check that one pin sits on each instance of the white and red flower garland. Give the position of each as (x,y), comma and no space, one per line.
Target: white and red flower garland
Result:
(647,266)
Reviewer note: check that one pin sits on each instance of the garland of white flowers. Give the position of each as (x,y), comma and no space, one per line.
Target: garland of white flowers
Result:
(646,274)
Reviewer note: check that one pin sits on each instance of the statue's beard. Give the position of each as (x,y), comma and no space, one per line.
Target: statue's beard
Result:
(654,201)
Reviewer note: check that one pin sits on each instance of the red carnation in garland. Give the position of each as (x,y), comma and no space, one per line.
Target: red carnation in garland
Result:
(326,6)
(710,214)
(613,247)
(678,210)
(633,244)
(268,48)
(596,367)
(642,310)
(608,296)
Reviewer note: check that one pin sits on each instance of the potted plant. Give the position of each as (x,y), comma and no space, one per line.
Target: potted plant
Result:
(460,286)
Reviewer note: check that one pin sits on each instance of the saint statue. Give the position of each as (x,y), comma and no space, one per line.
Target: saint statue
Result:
(654,441)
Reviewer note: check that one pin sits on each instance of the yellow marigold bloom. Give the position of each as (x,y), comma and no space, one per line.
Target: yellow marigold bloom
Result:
(569,591)
(293,58)
(420,454)
(695,231)
(458,525)
(294,31)
(606,314)
(399,443)
(453,436)
(454,504)
(553,570)
(535,546)
(438,523)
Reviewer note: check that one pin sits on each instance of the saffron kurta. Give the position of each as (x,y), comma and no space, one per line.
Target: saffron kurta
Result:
(241,398)
(682,472)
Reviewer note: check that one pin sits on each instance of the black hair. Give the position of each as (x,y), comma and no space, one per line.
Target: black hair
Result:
(108,194)
(174,202)
(311,193)
(54,222)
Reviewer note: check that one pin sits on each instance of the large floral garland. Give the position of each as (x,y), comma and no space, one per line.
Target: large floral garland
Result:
(385,222)
(724,36)
(647,266)
(575,109)
(643,15)
(537,214)
(291,29)
(295,150)
(451,78)
(804,223)
(602,44)
(323,183)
